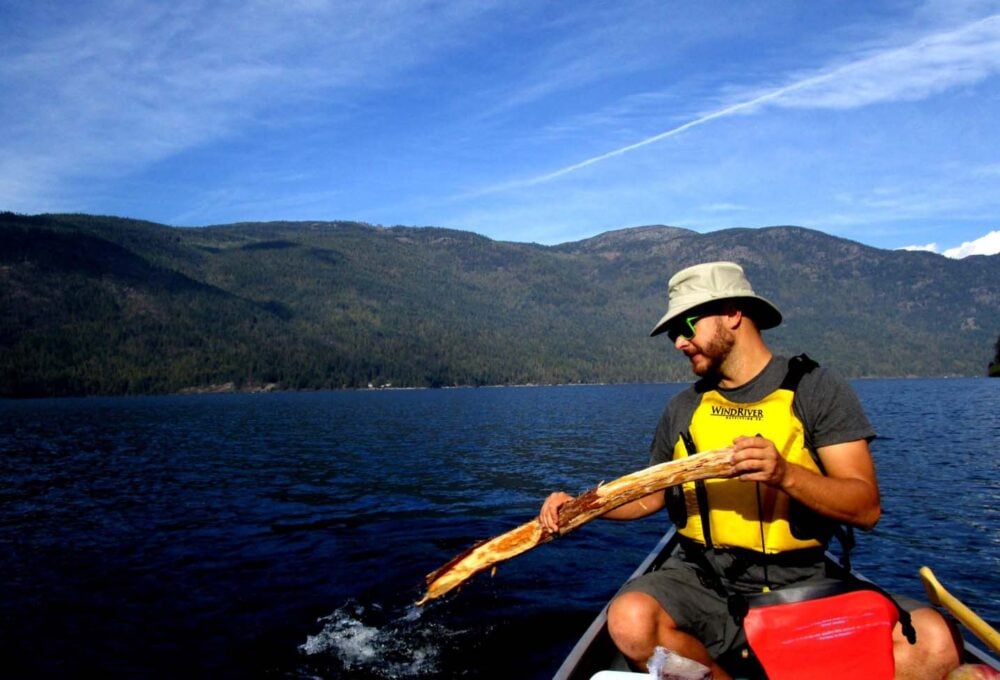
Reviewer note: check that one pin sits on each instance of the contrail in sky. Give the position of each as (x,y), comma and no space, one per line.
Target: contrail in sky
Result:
(721,113)
(729,110)
(939,59)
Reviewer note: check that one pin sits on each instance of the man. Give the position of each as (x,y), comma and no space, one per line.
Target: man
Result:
(800,440)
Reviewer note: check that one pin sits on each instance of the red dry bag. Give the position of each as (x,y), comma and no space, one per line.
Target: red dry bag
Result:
(846,635)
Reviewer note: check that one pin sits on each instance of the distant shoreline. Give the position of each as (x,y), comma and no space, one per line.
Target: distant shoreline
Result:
(272,388)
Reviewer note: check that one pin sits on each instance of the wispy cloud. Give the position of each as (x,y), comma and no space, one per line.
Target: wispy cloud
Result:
(916,71)
(102,90)
(919,70)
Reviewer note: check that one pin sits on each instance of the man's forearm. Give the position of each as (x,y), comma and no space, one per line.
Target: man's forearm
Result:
(852,501)
(638,508)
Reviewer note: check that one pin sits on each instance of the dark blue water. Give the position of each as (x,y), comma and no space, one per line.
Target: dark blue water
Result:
(287,535)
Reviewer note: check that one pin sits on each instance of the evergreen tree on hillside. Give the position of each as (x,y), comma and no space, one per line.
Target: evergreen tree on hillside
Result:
(995,366)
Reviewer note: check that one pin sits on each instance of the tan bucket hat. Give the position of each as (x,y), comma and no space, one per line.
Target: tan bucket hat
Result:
(713,281)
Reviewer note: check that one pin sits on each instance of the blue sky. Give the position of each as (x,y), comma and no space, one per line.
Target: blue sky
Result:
(523,121)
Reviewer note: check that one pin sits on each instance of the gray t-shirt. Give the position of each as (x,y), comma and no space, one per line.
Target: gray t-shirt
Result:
(824,401)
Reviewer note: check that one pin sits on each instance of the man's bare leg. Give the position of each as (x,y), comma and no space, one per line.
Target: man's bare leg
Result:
(638,624)
(936,652)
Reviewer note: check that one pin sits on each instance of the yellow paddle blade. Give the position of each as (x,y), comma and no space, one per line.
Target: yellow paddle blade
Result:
(939,596)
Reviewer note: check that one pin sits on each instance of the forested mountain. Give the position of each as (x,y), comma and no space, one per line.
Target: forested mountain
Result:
(100,305)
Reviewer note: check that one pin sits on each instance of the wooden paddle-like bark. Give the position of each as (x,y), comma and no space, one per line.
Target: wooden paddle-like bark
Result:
(585,507)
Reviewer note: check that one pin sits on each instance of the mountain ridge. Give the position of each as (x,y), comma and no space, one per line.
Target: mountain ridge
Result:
(105,305)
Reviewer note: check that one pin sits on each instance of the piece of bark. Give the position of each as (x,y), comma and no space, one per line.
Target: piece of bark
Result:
(580,510)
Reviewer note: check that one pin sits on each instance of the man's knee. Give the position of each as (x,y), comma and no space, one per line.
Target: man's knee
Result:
(937,648)
(634,619)
(633,611)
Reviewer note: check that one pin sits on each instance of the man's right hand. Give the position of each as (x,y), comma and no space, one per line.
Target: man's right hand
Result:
(549,514)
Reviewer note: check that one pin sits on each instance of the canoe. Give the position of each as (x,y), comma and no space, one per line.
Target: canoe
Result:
(595,653)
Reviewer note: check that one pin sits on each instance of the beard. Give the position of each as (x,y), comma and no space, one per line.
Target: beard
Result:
(710,355)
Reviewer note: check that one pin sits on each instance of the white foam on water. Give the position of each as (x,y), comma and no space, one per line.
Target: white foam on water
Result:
(390,649)
(413,613)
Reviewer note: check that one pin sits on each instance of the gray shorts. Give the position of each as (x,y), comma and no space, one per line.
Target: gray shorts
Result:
(685,590)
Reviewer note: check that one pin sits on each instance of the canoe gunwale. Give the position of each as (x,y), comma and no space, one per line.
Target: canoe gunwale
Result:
(575,661)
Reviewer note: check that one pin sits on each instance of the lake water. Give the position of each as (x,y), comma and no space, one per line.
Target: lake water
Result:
(287,535)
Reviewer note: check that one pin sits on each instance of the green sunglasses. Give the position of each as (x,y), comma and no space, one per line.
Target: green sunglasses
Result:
(682,327)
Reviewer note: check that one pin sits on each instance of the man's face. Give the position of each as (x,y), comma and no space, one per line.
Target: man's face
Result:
(708,348)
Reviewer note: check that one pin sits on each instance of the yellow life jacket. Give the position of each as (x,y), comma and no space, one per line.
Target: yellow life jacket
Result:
(745,514)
